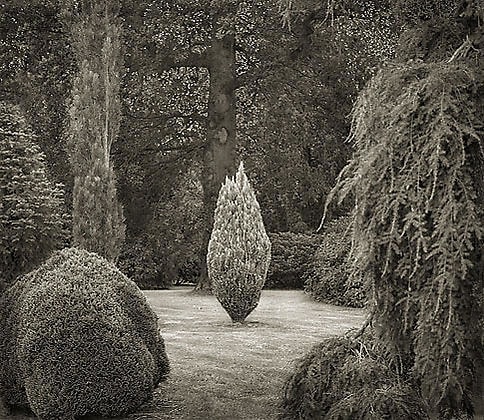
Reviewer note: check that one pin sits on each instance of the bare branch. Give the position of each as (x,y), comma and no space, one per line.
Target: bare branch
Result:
(463,50)
(368,322)
(162,118)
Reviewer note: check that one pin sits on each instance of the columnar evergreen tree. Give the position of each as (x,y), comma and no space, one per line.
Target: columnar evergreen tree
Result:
(239,250)
(32,217)
(98,223)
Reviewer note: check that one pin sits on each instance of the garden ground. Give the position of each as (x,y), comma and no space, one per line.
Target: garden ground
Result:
(223,371)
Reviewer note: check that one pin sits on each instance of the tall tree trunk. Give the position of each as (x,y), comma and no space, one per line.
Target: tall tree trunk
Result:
(219,151)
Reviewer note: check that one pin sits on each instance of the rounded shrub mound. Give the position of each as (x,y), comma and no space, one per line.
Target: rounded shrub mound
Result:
(79,338)
(239,250)
(291,256)
(347,378)
(329,277)
(32,217)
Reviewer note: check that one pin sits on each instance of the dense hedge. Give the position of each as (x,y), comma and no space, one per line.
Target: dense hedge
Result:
(346,378)
(78,338)
(291,256)
(149,268)
(328,278)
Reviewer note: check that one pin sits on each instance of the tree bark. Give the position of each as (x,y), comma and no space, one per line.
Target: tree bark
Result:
(219,149)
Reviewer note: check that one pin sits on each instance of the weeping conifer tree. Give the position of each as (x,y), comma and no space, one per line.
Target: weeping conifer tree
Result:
(417,176)
(98,223)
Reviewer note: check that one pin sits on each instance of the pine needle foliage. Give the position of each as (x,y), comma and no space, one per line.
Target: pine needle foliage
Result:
(418,221)
(239,250)
(32,217)
(347,378)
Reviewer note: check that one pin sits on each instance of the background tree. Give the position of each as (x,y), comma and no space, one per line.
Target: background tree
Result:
(94,112)
(32,214)
(170,74)
(294,75)
(35,73)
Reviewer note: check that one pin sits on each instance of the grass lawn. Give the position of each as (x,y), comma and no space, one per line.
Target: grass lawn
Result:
(225,371)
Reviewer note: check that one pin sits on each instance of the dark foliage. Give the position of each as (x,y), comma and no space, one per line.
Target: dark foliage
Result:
(329,278)
(141,262)
(290,259)
(188,272)
(78,338)
(346,378)
(35,72)
(32,215)
(167,250)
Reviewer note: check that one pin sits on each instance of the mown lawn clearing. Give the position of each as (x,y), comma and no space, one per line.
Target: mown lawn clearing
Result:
(224,371)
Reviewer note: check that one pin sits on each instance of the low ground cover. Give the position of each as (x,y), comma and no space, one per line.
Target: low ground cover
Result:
(224,371)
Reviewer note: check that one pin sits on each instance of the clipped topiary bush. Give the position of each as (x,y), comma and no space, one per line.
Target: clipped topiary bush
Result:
(79,338)
(329,278)
(32,216)
(347,378)
(291,256)
(239,250)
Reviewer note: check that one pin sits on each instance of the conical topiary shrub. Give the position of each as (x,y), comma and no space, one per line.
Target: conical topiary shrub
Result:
(239,250)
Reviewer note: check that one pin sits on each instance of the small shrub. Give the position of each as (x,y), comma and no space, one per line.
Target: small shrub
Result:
(143,264)
(328,278)
(239,250)
(346,378)
(32,217)
(79,338)
(189,271)
(290,259)
(144,261)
